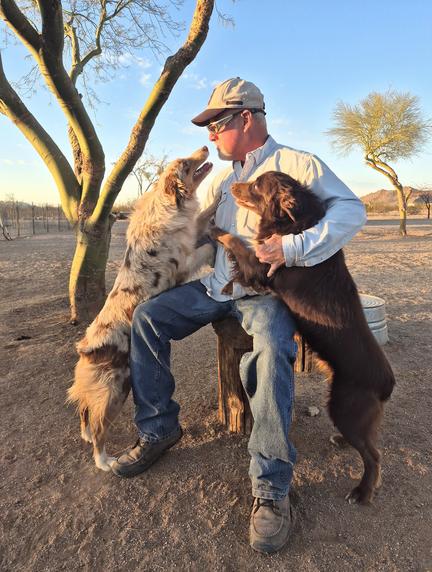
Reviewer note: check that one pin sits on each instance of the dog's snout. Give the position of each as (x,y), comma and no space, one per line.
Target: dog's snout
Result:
(239,186)
(205,149)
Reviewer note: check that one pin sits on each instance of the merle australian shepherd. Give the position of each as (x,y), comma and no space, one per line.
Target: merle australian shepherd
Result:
(327,309)
(161,240)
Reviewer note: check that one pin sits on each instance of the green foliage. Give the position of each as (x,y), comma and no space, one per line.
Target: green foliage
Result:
(386,126)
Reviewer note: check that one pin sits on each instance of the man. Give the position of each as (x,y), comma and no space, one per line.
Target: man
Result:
(235,118)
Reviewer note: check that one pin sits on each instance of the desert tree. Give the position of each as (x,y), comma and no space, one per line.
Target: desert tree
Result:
(148,170)
(387,127)
(425,197)
(91,35)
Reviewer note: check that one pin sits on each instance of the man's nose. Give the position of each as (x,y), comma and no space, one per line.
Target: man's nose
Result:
(212,136)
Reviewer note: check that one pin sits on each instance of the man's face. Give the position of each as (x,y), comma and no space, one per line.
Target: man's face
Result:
(229,140)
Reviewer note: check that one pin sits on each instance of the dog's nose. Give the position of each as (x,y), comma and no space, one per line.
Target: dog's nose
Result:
(205,149)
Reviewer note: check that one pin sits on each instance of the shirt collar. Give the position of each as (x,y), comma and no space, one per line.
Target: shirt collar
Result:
(258,155)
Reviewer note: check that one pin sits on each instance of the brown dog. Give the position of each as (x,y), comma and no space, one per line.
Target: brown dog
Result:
(326,306)
(161,253)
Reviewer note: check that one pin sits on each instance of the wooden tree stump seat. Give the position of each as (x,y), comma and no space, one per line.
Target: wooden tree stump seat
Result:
(232,343)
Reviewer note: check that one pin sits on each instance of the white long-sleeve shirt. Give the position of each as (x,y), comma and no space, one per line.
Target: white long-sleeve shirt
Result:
(344,217)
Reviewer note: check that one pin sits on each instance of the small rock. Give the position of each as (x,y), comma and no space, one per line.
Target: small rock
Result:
(312,411)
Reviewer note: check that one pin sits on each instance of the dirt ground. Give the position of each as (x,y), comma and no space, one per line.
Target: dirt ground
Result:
(190,511)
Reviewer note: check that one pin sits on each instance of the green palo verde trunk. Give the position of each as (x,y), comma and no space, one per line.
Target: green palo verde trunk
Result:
(87,276)
(402,206)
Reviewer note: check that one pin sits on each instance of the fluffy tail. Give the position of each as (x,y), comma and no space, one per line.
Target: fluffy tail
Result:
(100,390)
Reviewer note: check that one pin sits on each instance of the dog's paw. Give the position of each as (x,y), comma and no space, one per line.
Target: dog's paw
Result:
(215,232)
(106,466)
(339,441)
(104,462)
(216,200)
(359,496)
(86,435)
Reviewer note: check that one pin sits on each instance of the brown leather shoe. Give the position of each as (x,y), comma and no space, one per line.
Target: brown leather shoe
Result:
(270,524)
(142,455)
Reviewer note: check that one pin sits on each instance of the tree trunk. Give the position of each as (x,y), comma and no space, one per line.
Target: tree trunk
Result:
(402,205)
(87,276)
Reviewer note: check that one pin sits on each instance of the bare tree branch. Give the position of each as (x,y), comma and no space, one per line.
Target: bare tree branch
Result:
(148,169)
(78,64)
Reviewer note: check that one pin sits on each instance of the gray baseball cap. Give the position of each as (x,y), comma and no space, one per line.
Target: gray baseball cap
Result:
(234,93)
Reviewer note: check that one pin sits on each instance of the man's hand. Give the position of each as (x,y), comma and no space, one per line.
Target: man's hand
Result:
(271,251)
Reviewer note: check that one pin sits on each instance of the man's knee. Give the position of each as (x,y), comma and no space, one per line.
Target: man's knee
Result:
(144,314)
(267,317)
(276,340)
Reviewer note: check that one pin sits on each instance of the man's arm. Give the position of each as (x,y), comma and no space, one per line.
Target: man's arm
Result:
(344,217)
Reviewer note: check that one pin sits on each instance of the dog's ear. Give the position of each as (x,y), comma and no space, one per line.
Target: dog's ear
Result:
(173,187)
(302,207)
(288,204)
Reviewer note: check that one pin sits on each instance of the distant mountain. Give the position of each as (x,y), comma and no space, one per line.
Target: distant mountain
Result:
(388,198)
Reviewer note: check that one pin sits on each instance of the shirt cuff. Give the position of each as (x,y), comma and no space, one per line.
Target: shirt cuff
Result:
(290,249)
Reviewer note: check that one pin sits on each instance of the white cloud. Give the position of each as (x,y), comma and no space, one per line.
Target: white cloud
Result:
(18,162)
(137,61)
(280,122)
(191,130)
(143,63)
(131,112)
(196,81)
(144,79)
(15,162)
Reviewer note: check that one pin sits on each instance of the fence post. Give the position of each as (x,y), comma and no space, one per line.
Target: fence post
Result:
(58,217)
(17,219)
(33,219)
(47,219)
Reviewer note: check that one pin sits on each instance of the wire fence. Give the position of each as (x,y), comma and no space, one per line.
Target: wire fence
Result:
(18,220)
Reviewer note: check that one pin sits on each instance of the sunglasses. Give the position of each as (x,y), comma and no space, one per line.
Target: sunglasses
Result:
(216,127)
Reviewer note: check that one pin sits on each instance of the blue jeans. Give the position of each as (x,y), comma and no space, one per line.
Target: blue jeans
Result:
(266,373)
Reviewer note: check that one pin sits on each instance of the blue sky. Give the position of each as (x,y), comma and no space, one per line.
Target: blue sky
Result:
(304,57)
